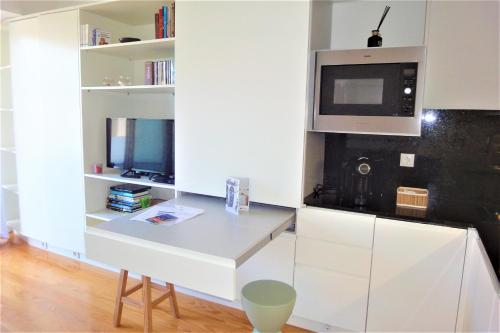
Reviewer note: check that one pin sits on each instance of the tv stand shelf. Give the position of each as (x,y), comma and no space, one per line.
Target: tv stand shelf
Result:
(139,181)
(106,215)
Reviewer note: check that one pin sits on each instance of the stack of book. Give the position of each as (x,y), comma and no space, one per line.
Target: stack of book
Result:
(91,36)
(165,21)
(159,72)
(127,197)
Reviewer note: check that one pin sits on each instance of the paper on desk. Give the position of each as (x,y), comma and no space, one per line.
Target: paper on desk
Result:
(183,213)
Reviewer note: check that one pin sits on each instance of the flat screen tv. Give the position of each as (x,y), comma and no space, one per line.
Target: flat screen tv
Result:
(141,146)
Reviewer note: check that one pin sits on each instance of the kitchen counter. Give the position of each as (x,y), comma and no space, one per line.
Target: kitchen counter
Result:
(450,213)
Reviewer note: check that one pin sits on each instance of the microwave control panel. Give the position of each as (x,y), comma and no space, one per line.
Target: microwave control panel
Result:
(409,87)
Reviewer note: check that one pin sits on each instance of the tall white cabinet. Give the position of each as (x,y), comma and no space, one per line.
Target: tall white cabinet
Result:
(241,97)
(46,90)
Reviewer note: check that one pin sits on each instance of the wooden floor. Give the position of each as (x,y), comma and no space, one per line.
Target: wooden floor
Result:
(41,292)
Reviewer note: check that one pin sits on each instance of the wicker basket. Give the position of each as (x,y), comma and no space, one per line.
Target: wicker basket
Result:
(412,197)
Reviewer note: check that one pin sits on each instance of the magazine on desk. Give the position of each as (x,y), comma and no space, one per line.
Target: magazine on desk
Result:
(168,213)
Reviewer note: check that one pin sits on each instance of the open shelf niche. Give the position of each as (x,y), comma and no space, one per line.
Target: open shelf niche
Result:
(121,19)
(9,207)
(126,19)
(96,192)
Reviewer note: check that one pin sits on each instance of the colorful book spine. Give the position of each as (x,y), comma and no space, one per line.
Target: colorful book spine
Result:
(128,199)
(165,19)
(172,19)
(160,22)
(130,195)
(148,73)
(157,25)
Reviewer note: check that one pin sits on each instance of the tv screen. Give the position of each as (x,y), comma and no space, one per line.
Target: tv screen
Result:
(141,144)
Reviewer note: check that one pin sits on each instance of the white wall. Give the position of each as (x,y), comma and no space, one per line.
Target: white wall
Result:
(353,21)
(241,97)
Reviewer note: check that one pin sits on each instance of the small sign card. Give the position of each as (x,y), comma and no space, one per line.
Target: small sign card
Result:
(237,194)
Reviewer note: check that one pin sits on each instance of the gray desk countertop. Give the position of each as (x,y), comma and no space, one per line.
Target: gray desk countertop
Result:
(215,232)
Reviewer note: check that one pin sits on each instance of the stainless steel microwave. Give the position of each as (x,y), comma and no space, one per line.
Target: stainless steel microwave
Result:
(370,91)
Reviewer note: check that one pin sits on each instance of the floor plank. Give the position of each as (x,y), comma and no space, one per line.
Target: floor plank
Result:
(41,292)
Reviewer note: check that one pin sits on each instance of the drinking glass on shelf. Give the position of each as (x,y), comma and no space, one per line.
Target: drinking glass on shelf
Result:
(107,81)
(124,80)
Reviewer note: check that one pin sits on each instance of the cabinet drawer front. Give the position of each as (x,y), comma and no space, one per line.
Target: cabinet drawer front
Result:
(331,298)
(337,257)
(180,267)
(335,226)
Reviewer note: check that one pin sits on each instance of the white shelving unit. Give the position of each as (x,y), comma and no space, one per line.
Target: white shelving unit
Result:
(139,181)
(11,187)
(9,205)
(121,18)
(154,48)
(140,89)
(105,215)
(11,150)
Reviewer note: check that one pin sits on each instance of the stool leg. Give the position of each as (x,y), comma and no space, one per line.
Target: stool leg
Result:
(122,286)
(146,299)
(173,299)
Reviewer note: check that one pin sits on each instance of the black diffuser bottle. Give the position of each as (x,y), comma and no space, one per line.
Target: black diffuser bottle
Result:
(375,39)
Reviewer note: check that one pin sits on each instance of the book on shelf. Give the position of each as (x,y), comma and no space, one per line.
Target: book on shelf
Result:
(125,204)
(118,208)
(148,73)
(128,198)
(164,21)
(130,188)
(86,35)
(161,72)
(92,36)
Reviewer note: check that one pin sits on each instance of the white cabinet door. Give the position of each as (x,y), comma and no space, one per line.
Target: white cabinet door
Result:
(241,72)
(59,58)
(462,55)
(330,297)
(30,134)
(480,297)
(332,271)
(275,261)
(416,276)
(46,90)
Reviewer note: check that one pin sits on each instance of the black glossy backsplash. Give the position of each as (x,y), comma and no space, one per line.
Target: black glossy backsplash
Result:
(457,158)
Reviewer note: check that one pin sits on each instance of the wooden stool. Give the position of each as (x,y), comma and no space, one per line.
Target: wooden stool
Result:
(146,304)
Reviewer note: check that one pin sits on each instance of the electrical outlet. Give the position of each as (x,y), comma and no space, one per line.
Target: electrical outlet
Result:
(407,160)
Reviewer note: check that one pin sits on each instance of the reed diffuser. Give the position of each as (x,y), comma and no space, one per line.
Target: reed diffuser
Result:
(375,39)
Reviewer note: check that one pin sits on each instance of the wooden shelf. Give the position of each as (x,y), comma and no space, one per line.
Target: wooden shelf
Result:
(150,89)
(117,178)
(11,187)
(11,150)
(144,49)
(4,68)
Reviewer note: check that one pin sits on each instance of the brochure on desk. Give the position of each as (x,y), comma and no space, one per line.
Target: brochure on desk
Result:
(168,214)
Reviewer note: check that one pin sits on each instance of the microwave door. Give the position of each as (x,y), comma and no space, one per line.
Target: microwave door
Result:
(360,90)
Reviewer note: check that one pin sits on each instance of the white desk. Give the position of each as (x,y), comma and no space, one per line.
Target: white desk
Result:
(201,254)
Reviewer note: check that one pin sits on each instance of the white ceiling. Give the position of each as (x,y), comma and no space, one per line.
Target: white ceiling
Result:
(24,7)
